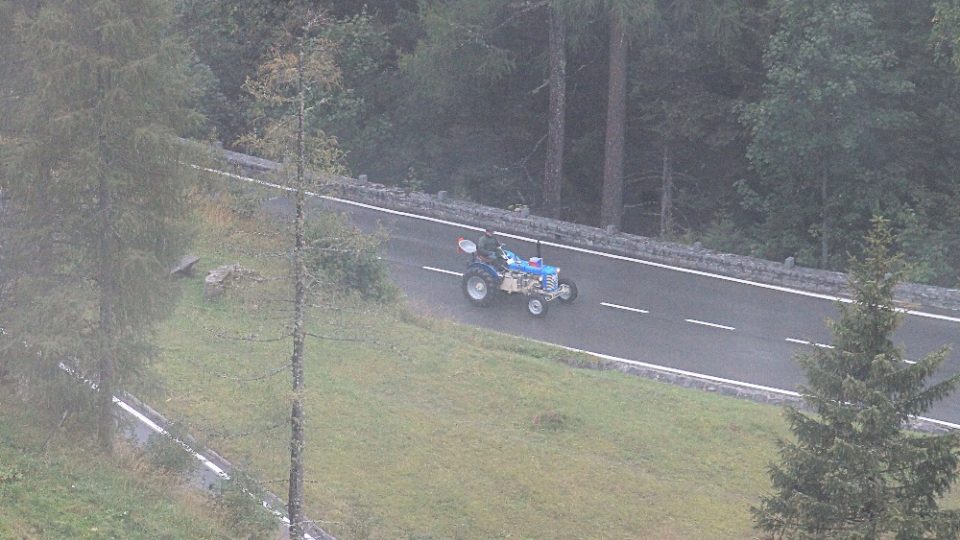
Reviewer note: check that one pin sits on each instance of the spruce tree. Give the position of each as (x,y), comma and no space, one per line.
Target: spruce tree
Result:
(853,470)
(90,163)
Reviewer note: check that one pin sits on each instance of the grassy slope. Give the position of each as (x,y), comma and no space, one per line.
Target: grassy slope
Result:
(71,491)
(429,429)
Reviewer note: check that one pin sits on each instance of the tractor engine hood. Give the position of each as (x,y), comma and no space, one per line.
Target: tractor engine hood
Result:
(534,266)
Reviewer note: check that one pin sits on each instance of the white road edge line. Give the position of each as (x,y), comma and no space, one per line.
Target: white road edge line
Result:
(712,378)
(823,346)
(625,308)
(572,248)
(197,455)
(798,341)
(710,324)
(442,271)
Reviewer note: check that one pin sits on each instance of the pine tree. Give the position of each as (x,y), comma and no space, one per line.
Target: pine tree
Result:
(625,18)
(853,471)
(90,162)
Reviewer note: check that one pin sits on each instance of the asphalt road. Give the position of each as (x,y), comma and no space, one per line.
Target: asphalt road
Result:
(638,311)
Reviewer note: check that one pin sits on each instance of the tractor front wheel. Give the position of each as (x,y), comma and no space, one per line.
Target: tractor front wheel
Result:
(571,294)
(537,306)
(479,287)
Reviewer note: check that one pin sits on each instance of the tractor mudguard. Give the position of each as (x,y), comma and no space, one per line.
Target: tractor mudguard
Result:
(487,268)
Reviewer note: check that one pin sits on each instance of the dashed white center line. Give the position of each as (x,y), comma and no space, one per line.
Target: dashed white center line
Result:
(625,308)
(638,310)
(805,342)
(825,346)
(442,271)
(710,324)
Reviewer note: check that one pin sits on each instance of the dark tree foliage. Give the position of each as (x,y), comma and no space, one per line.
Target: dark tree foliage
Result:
(853,111)
(692,66)
(233,38)
(92,174)
(852,470)
(824,134)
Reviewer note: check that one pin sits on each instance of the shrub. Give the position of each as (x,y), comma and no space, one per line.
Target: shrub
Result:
(239,499)
(168,455)
(339,254)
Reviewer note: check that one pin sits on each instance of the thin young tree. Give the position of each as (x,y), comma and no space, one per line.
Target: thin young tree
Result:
(611,204)
(90,163)
(852,469)
(553,164)
(301,64)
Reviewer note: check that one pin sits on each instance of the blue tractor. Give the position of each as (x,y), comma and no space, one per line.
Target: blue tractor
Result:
(486,278)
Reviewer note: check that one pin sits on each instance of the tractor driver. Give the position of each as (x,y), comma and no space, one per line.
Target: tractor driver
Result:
(489,247)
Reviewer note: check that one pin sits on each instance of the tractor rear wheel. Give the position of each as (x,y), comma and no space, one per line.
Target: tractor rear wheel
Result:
(479,287)
(571,294)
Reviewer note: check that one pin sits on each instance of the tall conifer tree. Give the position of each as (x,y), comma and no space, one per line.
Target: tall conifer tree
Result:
(852,470)
(91,165)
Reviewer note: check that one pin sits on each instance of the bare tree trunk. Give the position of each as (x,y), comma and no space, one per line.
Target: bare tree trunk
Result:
(106,424)
(611,209)
(553,169)
(666,197)
(824,224)
(295,495)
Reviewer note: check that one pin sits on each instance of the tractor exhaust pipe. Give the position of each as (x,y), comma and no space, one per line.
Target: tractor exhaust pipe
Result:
(538,250)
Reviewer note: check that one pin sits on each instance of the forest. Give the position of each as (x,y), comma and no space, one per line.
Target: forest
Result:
(768,128)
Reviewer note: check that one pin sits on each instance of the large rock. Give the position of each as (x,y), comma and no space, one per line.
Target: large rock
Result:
(216,281)
(185,266)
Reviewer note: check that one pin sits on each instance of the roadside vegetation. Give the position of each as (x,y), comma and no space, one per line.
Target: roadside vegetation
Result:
(417,427)
(54,484)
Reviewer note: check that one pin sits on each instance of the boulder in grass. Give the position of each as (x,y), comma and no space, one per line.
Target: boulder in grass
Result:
(184,268)
(216,281)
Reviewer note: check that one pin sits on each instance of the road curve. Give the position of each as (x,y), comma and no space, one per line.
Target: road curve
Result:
(634,309)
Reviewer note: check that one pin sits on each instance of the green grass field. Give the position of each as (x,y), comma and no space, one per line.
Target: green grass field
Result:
(418,428)
(427,429)
(72,491)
